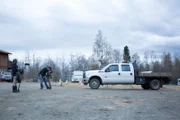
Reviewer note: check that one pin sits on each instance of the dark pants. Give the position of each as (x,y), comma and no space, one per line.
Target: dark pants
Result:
(42,79)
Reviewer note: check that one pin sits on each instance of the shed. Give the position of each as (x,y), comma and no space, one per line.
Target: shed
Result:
(4,60)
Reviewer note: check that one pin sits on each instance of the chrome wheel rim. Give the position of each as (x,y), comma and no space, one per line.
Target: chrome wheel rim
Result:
(155,84)
(94,84)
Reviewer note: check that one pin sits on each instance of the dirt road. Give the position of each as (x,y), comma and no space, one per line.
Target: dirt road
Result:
(81,103)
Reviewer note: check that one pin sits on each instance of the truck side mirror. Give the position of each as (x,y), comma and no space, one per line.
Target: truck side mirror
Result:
(27,64)
(107,70)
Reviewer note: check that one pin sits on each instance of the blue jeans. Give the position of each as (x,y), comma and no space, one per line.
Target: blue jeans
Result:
(42,79)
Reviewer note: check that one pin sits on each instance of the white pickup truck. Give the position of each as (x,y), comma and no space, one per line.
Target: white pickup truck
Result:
(123,73)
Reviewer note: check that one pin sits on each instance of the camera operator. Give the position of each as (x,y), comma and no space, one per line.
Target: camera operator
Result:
(42,77)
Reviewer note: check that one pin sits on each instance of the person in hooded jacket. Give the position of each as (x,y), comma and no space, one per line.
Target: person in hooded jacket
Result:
(14,70)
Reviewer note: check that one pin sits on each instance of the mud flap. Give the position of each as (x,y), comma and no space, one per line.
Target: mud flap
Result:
(140,80)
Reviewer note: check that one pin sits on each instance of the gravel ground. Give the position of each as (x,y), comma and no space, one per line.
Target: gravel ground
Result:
(75,102)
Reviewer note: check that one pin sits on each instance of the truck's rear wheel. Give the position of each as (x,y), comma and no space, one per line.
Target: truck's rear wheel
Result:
(94,83)
(155,84)
(145,86)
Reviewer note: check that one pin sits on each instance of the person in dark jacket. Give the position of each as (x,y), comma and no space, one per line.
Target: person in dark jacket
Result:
(14,70)
(42,75)
(136,68)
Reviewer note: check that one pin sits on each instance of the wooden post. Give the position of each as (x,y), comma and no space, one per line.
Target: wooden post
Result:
(60,82)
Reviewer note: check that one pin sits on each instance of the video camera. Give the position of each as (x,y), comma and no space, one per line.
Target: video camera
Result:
(20,73)
(49,75)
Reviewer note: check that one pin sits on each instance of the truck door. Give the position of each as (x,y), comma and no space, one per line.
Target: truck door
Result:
(127,74)
(111,74)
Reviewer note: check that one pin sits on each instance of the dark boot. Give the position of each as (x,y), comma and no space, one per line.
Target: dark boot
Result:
(18,90)
(14,89)
(48,87)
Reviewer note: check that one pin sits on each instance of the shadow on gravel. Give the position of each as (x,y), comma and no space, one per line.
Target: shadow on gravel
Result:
(115,89)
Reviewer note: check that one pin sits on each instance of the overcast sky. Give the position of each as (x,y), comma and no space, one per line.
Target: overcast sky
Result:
(59,27)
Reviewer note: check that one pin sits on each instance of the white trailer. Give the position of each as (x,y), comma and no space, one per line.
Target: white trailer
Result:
(77,76)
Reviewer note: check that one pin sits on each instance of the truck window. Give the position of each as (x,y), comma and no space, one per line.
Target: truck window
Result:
(112,68)
(125,68)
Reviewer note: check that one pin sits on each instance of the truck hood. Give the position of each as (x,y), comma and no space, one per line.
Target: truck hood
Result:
(92,71)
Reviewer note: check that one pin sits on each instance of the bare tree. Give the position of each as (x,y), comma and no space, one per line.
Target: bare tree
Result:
(146,60)
(152,56)
(65,71)
(176,67)
(147,67)
(141,67)
(156,66)
(27,57)
(102,50)
(136,57)
(78,62)
(93,64)
(146,56)
(34,67)
(167,62)
(117,56)
(28,60)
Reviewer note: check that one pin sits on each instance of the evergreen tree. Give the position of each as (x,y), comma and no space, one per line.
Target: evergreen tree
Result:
(126,55)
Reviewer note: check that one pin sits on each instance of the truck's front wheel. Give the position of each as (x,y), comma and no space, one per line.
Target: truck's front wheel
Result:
(155,84)
(94,83)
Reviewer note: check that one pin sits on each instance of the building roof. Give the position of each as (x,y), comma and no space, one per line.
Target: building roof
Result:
(4,52)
